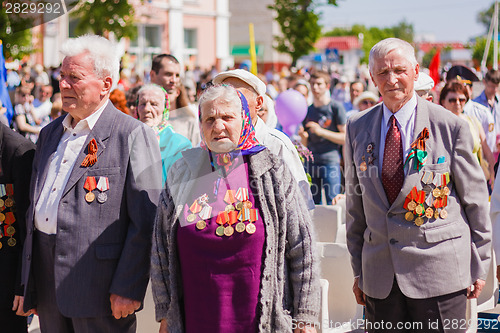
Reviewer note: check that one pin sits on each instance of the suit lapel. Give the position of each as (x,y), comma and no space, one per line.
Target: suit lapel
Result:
(412,177)
(100,133)
(375,124)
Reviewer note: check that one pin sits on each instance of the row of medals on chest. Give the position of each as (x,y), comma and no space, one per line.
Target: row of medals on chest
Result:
(438,198)
(238,208)
(7,218)
(102,185)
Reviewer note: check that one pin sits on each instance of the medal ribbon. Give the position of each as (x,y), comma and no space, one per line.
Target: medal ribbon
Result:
(443,180)
(91,157)
(103,184)
(419,143)
(233,217)
(244,214)
(90,184)
(206,212)
(9,218)
(418,150)
(242,194)
(421,197)
(2,190)
(10,189)
(254,215)
(229,197)
(222,218)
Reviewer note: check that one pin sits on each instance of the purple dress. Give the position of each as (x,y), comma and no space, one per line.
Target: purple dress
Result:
(220,274)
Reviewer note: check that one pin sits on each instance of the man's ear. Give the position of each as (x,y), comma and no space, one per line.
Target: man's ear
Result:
(108,83)
(260,103)
(371,77)
(152,76)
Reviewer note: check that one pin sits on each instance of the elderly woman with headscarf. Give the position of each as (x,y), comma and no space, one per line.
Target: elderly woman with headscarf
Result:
(232,244)
(152,109)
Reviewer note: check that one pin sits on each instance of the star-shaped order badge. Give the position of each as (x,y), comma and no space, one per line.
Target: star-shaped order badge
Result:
(417,151)
(91,157)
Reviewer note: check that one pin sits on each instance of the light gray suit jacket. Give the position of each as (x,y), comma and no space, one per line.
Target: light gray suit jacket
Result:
(442,255)
(100,248)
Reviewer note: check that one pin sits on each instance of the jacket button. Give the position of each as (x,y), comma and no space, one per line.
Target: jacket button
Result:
(390,215)
(393,241)
(28,256)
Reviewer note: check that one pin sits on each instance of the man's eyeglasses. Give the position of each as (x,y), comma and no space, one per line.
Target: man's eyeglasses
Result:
(367,102)
(454,100)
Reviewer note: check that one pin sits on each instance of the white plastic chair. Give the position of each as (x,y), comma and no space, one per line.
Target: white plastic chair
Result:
(329,223)
(339,310)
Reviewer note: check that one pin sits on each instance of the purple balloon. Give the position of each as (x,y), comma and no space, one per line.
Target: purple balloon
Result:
(291,109)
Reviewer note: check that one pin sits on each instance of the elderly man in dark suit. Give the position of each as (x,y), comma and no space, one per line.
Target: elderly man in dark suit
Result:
(16,159)
(95,187)
(418,228)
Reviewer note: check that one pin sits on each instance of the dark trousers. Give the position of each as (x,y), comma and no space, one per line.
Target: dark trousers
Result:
(399,313)
(51,319)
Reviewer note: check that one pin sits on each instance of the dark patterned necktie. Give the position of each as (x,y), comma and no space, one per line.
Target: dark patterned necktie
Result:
(392,166)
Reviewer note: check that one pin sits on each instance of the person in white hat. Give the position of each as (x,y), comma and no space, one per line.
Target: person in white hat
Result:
(423,86)
(277,142)
(366,100)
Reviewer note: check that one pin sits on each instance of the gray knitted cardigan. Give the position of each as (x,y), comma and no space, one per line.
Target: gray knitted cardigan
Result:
(289,279)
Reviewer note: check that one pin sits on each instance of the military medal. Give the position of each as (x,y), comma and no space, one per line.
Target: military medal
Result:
(445,191)
(239,205)
(9,202)
(191,218)
(11,242)
(10,230)
(412,205)
(436,214)
(103,186)
(247,204)
(222,218)
(240,227)
(429,212)
(371,159)
(200,225)
(369,148)
(3,192)
(419,221)
(230,200)
(241,195)
(2,217)
(436,193)
(233,217)
(443,214)
(9,218)
(229,208)
(419,210)
(254,216)
(409,216)
(363,166)
(90,185)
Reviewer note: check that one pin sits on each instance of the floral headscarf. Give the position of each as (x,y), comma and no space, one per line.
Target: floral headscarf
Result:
(247,144)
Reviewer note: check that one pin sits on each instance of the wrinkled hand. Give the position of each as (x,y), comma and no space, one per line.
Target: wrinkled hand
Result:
(358,293)
(475,290)
(123,306)
(163,326)
(313,128)
(17,306)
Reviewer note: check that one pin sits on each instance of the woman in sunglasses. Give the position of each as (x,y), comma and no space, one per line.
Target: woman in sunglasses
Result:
(453,97)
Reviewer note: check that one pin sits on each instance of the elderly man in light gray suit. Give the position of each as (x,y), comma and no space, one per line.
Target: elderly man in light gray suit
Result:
(94,192)
(418,229)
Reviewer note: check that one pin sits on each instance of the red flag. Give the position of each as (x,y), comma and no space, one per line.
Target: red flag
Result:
(434,67)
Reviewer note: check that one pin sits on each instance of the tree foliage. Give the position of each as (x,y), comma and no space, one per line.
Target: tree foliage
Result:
(101,17)
(373,35)
(485,16)
(299,25)
(15,35)
(478,52)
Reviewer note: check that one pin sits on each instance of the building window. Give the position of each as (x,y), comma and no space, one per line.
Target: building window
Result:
(190,38)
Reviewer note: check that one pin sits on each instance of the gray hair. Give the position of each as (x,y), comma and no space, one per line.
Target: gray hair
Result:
(385,46)
(152,87)
(222,92)
(102,52)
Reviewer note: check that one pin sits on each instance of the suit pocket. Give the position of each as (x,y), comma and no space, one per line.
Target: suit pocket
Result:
(108,251)
(442,233)
(104,171)
(440,167)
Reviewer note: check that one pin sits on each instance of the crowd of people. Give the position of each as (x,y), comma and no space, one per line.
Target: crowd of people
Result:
(187,181)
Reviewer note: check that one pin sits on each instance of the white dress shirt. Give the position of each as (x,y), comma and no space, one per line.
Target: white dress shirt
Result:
(60,168)
(405,120)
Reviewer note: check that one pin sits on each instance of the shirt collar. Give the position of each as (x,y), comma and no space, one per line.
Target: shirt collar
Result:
(404,114)
(88,122)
